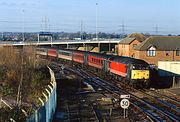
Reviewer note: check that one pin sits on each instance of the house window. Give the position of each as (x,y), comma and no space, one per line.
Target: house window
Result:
(151,51)
(177,52)
(167,53)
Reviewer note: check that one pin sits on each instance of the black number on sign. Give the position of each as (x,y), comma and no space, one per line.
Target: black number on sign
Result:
(125,103)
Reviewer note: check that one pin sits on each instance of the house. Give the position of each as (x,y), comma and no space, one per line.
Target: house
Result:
(159,48)
(126,47)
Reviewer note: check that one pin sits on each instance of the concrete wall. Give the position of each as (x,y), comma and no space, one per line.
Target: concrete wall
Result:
(169,68)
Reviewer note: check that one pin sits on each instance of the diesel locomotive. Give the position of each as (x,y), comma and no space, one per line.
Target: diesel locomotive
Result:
(133,71)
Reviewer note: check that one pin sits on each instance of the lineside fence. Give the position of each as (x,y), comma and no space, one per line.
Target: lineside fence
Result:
(46,112)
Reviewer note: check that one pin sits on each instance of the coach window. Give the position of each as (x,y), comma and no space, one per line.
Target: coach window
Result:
(151,51)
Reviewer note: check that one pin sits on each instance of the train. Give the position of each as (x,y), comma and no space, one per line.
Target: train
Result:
(134,72)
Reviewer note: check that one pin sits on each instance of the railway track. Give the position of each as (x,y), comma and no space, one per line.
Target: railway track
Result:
(75,107)
(151,109)
(172,104)
(154,108)
(168,98)
(168,105)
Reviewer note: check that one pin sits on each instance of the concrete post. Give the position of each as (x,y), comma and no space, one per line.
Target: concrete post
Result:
(174,78)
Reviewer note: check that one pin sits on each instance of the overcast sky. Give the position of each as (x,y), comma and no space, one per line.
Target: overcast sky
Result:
(66,15)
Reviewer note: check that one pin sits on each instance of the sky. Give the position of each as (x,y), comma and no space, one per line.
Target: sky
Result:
(146,16)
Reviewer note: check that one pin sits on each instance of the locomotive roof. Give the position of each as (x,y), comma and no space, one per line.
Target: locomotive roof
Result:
(128,60)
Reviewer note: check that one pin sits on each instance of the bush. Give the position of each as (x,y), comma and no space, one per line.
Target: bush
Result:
(37,78)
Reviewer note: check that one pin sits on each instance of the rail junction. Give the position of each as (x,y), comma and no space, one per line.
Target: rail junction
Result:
(148,105)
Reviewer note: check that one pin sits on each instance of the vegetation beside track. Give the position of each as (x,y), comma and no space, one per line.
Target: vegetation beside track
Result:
(23,77)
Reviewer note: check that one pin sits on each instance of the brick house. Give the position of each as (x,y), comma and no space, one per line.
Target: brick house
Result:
(159,48)
(126,47)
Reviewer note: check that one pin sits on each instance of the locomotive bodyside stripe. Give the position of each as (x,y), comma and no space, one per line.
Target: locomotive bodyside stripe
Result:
(118,66)
(118,72)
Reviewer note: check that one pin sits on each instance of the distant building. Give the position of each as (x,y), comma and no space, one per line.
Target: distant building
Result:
(77,39)
(126,47)
(159,48)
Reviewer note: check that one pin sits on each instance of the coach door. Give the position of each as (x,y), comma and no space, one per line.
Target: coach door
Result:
(85,59)
(104,65)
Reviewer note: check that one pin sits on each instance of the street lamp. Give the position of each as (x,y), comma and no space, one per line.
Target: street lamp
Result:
(96,21)
(23,39)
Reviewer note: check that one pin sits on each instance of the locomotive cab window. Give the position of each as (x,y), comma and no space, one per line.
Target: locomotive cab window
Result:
(136,67)
(139,67)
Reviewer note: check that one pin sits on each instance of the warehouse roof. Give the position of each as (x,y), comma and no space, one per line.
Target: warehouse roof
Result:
(160,43)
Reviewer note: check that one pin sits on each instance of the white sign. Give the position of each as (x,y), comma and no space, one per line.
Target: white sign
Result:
(124,103)
(125,96)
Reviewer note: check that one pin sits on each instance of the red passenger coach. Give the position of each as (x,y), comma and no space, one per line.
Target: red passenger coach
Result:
(65,54)
(95,61)
(52,52)
(78,57)
(118,68)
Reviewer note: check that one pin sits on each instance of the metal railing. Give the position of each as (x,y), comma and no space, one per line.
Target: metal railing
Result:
(46,111)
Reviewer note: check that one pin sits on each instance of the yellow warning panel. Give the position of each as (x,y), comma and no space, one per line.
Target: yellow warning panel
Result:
(140,74)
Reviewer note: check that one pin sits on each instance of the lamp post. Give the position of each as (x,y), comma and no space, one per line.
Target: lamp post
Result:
(96,21)
(97,27)
(23,39)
